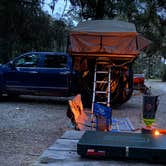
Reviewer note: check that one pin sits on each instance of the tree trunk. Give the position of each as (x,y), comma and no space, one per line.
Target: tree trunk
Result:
(100,9)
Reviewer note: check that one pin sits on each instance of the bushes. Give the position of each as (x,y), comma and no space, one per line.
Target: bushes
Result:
(25,27)
(163,76)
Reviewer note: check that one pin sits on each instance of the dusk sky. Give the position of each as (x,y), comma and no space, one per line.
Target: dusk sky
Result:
(59,8)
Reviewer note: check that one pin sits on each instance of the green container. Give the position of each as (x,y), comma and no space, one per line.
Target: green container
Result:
(150,104)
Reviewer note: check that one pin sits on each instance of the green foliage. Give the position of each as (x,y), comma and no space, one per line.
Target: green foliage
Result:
(152,26)
(164,73)
(25,27)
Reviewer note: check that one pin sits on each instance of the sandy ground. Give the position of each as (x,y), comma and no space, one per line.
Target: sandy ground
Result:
(28,125)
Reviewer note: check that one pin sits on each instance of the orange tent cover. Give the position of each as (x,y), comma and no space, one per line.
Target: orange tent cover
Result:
(109,38)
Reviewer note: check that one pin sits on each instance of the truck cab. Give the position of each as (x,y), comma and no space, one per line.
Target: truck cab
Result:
(37,73)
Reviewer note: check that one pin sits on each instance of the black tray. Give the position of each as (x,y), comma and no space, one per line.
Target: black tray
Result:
(122,145)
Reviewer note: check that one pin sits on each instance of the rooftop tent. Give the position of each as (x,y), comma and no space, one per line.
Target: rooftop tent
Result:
(108,38)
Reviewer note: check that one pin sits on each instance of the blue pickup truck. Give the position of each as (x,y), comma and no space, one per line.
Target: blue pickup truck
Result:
(59,74)
(37,73)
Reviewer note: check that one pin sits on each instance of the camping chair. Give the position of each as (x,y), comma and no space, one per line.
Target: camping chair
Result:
(80,117)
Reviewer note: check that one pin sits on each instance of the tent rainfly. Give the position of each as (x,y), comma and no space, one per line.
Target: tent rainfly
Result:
(106,38)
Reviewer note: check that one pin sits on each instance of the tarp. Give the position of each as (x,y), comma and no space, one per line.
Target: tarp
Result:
(110,38)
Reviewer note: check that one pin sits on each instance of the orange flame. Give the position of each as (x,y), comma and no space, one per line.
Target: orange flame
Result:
(156,133)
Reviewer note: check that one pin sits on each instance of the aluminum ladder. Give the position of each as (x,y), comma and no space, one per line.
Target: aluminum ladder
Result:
(102,68)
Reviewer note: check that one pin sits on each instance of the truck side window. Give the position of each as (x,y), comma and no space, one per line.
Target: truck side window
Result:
(27,61)
(52,61)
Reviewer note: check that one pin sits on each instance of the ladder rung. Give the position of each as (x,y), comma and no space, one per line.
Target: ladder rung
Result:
(102,82)
(102,72)
(101,92)
(100,102)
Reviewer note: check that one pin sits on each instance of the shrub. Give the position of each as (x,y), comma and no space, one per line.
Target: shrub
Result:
(163,76)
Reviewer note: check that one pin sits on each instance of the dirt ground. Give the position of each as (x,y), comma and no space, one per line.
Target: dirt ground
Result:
(28,125)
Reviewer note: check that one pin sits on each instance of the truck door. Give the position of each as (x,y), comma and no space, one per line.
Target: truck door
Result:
(55,74)
(22,74)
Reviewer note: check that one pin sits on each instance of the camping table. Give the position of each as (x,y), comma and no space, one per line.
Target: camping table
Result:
(64,152)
